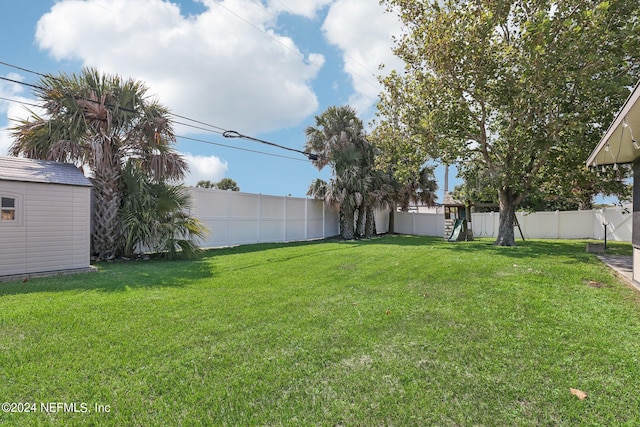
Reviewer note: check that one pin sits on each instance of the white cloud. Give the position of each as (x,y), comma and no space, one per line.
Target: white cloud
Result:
(10,106)
(363,31)
(5,141)
(204,168)
(225,66)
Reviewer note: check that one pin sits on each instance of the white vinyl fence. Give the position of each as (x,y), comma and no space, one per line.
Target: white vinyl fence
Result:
(562,225)
(538,225)
(235,218)
(419,224)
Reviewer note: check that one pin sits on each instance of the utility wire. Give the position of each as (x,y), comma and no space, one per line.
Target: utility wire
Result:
(196,139)
(199,122)
(20,102)
(234,134)
(261,30)
(23,69)
(240,148)
(193,139)
(219,130)
(21,83)
(197,127)
(367,80)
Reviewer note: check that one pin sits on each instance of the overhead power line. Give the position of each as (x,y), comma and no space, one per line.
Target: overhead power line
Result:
(20,102)
(20,83)
(22,69)
(234,134)
(210,128)
(191,138)
(240,148)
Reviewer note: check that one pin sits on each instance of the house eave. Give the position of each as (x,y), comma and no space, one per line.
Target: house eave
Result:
(616,146)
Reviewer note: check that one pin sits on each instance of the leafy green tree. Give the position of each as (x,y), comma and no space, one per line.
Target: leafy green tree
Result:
(557,189)
(102,122)
(520,88)
(403,163)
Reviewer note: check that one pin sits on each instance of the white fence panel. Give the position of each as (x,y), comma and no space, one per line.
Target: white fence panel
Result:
(562,225)
(236,218)
(296,217)
(575,224)
(331,223)
(485,224)
(420,224)
(619,223)
(315,220)
(382,220)
(272,217)
(542,225)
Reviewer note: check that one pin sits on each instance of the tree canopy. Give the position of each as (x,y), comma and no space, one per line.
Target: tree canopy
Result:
(224,184)
(518,91)
(356,186)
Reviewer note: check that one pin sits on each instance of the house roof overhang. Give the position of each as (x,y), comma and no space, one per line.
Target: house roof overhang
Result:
(617,146)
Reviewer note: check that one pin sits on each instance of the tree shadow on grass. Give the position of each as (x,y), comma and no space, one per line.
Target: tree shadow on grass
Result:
(117,277)
(575,250)
(278,257)
(259,247)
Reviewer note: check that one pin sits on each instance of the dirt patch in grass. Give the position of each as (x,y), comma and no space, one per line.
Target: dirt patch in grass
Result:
(593,283)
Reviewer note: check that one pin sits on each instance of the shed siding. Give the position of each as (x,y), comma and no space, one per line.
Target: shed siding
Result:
(13,242)
(54,230)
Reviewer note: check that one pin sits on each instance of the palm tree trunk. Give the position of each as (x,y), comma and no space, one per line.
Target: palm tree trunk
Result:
(106,230)
(370,223)
(360,223)
(346,224)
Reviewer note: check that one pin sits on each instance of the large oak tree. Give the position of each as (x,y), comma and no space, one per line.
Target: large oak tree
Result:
(517,87)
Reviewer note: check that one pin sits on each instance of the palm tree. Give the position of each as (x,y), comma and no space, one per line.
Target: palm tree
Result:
(205,184)
(419,190)
(101,121)
(227,184)
(154,217)
(379,195)
(224,184)
(338,139)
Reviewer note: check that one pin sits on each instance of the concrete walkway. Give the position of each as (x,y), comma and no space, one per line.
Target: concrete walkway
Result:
(622,265)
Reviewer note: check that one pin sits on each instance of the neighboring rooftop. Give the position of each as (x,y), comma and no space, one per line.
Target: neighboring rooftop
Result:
(44,171)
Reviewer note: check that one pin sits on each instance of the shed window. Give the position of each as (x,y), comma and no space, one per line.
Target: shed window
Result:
(7,209)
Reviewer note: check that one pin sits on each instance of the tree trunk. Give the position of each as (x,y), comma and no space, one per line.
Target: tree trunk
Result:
(106,231)
(370,223)
(360,222)
(346,224)
(508,203)
(392,219)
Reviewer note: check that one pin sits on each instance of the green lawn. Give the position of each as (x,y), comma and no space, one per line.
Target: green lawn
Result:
(396,331)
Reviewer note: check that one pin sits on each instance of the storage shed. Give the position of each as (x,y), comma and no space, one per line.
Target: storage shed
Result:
(45,214)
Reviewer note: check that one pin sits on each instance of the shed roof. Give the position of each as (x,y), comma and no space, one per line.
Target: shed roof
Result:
(44,171)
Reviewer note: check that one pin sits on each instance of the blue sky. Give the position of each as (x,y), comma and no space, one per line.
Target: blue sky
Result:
(262,68)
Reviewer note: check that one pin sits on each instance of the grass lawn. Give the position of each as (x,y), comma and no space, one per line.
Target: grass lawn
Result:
(397,331)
